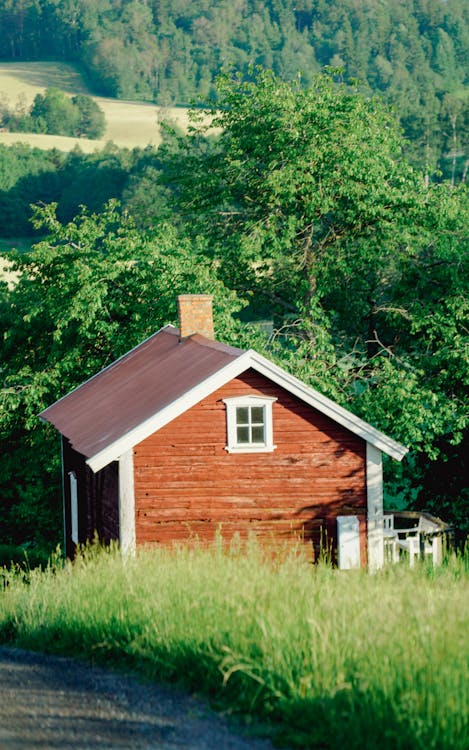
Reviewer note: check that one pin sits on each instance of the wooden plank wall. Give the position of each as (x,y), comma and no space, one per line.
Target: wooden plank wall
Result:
(98,504)
(187,486)
(103,503)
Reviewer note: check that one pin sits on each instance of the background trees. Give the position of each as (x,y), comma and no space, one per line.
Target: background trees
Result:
(413,52)
(57,114)
(30,175)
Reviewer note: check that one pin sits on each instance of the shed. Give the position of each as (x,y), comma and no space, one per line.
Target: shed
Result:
(185,437)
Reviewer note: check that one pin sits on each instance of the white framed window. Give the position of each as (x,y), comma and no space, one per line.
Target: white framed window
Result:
(73,507)
(249,424)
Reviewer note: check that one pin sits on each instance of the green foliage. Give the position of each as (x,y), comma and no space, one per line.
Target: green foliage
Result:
(30,176)
(23,558)
(55,113)
(91,122)
(26,175)
(272,639)
(303,187)
(413,53)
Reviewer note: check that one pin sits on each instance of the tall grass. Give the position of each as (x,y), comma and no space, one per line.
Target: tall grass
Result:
(326,659)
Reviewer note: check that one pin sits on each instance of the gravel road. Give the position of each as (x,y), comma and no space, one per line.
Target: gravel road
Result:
(49,702)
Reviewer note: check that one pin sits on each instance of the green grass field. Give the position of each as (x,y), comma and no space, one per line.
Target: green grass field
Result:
(128,124)
(322,658)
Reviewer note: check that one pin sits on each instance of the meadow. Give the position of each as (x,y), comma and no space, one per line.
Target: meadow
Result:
(128,124)
(316,657)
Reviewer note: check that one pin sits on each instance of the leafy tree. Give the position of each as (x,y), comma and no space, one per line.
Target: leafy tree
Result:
(91,122)
(53,112)
(430,347)
(303,188)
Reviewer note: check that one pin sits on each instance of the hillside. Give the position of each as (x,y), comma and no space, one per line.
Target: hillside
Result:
(412,52)
(128,124)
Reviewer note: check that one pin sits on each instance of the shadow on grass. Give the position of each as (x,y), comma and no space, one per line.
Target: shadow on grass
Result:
(349,719)
(63,76)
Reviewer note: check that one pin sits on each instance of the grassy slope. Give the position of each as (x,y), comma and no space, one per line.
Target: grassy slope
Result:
(327,659)
(129,124)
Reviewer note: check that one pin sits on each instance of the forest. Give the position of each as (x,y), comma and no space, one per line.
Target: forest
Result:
(30,175)
(413,53)
(297,209)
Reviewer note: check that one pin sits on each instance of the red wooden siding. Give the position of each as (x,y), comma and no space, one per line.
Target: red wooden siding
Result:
(187,485)
(98,504)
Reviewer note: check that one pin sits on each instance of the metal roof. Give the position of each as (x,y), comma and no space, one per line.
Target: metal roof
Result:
(163,377)
(142,382)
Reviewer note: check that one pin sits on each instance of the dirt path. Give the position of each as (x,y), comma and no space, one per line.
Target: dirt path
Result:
(49,702)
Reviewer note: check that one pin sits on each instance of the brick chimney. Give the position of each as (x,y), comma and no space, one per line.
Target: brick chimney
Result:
(195,315)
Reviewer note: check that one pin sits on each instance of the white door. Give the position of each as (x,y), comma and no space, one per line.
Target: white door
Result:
(348,542)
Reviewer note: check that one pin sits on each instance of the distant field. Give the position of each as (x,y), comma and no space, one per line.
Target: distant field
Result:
(128,124)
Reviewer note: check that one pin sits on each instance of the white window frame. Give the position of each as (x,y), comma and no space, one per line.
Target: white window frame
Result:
(232,441)
(73,506)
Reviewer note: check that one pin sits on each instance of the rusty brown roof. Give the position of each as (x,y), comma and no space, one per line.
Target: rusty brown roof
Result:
(141,383)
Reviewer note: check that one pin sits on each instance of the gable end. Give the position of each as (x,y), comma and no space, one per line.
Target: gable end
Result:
(249,359)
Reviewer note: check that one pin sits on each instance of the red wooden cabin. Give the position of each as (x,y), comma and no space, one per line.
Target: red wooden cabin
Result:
(185,437)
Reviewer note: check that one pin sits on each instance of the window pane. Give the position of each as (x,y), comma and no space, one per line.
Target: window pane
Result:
(257,414)
(258,434)
(242,415)
(242,434)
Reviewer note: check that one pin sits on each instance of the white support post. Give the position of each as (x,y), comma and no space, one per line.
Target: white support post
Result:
(374,493)
(74,533)
(126,503)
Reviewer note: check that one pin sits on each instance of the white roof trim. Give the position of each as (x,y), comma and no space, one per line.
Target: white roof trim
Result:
(328,407)
(262,365)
